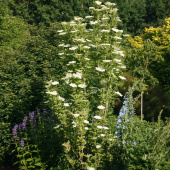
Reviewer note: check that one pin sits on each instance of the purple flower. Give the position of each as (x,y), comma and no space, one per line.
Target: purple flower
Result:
(93,120)
(134,143)
(32,118)
(14,130)
(22,144)
(24,122)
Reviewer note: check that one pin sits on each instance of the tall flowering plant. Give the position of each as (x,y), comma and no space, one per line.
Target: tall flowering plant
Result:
(84,98)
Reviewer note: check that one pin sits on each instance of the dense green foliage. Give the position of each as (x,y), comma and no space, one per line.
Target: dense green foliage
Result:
(148,55)
(135,14)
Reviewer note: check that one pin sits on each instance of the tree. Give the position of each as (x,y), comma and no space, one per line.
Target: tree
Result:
(147,58)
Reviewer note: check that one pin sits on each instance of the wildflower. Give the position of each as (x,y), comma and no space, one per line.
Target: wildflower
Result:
(78,18)
(60,53)
(73,48)
(100,107)
(103,25)
(72,62)
(100,127)
(100,69)
(82,86)
(14,130)
(134,143)
(116,30)
(68,75)
(73,85)
(22,144)
(119,94)
(105,18)
(119,38)
(117,60)
(107,61)
(121,77)
(56,127)
(93,22)
(104,45)
(77,75)
(66,104)
(98,2)
(74,31)
(88,40)
(52,93)
(102,135)
(86,47)
(89,16)
(105,30)
(97,117)
(90,168)
(24,122)
(86,128)
(110,4)
(62,33)
(60,45)
(55,83)
(76,115)
(105,128)
(86,121)
(87,59)
(98,146)
(74,125)
(61,98)
(91,45)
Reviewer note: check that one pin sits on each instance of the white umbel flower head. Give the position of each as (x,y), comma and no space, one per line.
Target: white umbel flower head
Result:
(119,38)
(86,121)
(98,146)
(55,83)
(89,16)
(90,168)
(61,98)
(52,93)
(98,2)
(66,104)
(100,107)
(102,135)
(73,85)
(77,75)
(118,93)
(121,77)
(110,4)
(86,128)
(62,33)
(97,117)
(100,127)
(107,61)
(105,128)
(78,18)
(82,86)
(72,62)
(93,22)
(73,48)
(100,69)
(76,115)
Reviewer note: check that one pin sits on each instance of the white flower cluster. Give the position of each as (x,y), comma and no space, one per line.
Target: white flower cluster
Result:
(100,69)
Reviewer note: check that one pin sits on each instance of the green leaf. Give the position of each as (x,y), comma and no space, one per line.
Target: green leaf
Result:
(29,159)
(38,164)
